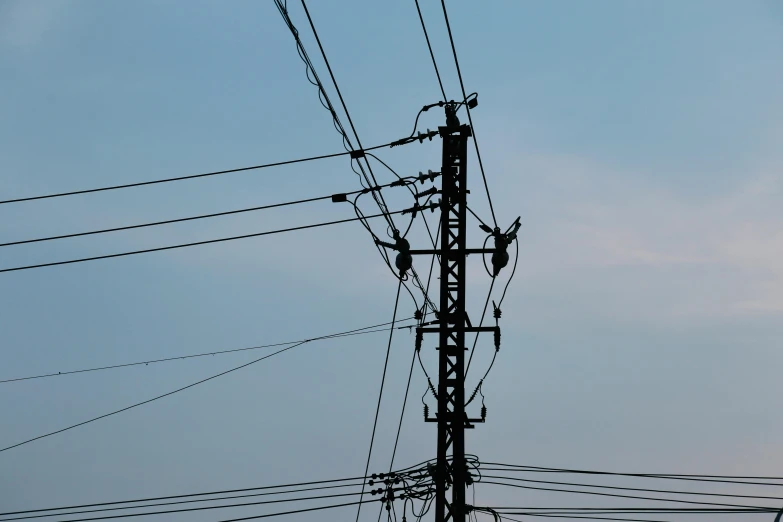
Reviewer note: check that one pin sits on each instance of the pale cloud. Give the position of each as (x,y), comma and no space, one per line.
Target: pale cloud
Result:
(25,23)
(706,256)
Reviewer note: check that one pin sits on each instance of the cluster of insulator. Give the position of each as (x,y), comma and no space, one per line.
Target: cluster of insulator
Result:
(429,192)
(426,412)
(497,313)
(497,338)
(483,412)
(418,314)
(429,134)
(419,339)
(428,176)
(432,388)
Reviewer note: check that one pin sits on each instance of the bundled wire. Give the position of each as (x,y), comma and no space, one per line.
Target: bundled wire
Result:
(327,104)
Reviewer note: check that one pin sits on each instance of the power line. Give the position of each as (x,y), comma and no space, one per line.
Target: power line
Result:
(359,331)
(399,426)
(404,181)
(634,489)
(203,508)
(151,400)
(177,502)
(467,108)
(581,517)
(293,512)
(169,393)
(169,221)
(653,475)
(192,176)
(402,413)
(481,323)
(722,479)
(382,202)
(323,97)
(135,501)
(221,492)
(413,358)
(615,495)
(196,243)
(609,511)
(326,102)
(380,394)
(432,55)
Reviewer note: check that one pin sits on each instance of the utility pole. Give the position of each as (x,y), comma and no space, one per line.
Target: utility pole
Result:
(452,324)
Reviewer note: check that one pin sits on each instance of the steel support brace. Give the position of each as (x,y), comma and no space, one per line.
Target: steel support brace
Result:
(451,417)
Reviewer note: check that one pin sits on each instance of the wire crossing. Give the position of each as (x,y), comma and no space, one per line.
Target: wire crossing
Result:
(432,55)
(467,108)
(358,331)
(300,343)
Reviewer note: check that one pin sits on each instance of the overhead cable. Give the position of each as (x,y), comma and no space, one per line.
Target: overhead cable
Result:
(645,490)
(402,181)
(723,479)
(200,508)
(359,331)
(193,176)
(195,243)
(432,55)
(165,394)
(203,508)
(326,102)
(615,495)
(467,108)
(381,204)
(380,393)
(207,493)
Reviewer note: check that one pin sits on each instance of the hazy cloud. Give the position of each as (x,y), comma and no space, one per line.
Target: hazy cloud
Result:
(25,23)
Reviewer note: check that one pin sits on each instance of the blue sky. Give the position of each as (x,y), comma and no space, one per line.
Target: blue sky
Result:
(638,141)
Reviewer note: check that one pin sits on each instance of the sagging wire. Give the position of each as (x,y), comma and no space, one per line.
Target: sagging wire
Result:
(360,153)
(323,98)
